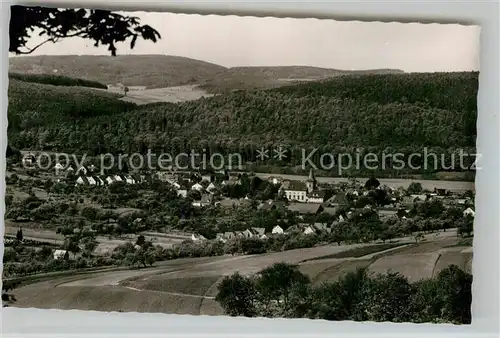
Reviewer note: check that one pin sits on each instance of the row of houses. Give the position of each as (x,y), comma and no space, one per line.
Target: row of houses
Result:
(259,233)
(305,228)
(95,180)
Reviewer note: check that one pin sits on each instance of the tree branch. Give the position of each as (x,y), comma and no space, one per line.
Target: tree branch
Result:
(37,46)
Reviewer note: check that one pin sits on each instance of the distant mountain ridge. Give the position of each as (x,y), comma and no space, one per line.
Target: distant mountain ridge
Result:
(157,71)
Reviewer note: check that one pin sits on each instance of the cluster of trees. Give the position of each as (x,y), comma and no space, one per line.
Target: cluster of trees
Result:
(242,122)
(56,80)
(20,259)
(281,290)
(35,109)
(142,254)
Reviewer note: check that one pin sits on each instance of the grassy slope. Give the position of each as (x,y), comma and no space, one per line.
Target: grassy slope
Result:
(133,70)
(156,71)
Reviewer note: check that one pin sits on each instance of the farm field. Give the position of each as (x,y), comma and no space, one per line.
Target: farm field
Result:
(168,94)
(188,286)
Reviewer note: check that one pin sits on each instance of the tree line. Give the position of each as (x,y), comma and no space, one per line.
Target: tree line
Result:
(281,290)
(56,80)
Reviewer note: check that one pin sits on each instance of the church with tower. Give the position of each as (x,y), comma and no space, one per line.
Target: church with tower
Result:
(305,192)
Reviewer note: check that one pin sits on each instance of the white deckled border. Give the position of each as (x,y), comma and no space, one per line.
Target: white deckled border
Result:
(486,301)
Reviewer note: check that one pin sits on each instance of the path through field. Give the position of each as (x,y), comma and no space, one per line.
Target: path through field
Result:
(168,94)
(188,286)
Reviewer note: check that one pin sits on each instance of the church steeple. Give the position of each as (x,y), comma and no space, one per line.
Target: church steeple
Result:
(311,176)
(311,181)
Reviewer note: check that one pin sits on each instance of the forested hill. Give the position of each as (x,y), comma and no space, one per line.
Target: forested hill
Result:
(401,111)
(153,71)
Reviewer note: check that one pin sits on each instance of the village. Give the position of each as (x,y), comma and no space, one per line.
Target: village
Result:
(319,208)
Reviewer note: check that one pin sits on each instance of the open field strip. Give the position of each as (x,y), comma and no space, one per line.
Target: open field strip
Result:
(392,182)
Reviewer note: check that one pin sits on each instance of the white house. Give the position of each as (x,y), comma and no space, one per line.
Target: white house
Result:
(82,180)
(59,168)
(470,212)
(211,187)
(197,237)
(309,231)
(277,230)
(117,178)
(182,192)
(197,187)
(59,254)
(130,180)
(91,180)
(110,180)
(295,191)
(306,192)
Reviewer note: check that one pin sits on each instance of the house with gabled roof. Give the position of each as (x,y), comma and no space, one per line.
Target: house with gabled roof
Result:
(259,232)
(247,233)
(91,180)
(305,208)
(277,230)
(82,180)
(129,179)
(330,210)
(469,212)
(309,230)
(59,168)
(211,187)
(337,200)
(197,187)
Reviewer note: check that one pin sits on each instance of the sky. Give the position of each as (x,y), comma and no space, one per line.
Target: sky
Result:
(249,41)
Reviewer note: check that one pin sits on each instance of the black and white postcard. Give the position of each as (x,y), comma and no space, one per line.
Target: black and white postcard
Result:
(240,166)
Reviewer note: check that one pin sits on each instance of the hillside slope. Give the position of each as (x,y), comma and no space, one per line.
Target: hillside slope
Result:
(240,78)
(405,112)
(158,71)
(133,70)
